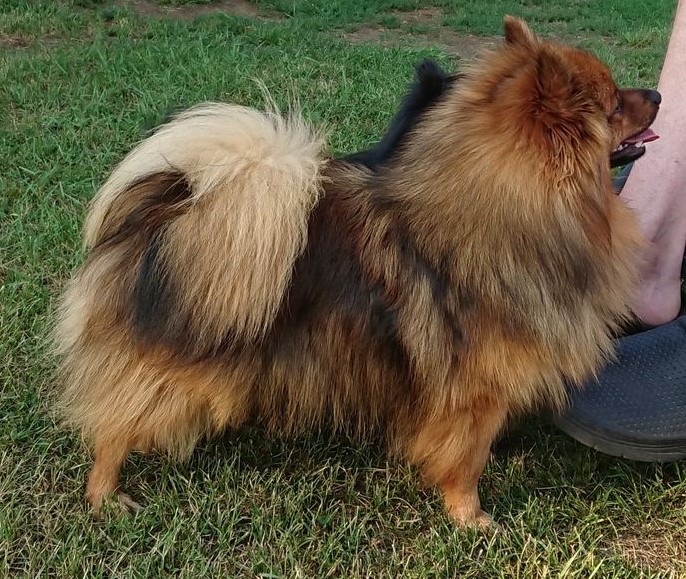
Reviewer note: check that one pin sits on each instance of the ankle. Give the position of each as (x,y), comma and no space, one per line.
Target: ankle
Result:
(658,301)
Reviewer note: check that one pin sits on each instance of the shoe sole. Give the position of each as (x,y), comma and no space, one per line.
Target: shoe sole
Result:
(641,452)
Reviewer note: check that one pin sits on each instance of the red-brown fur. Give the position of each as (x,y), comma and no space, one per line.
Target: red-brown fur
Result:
(470,279)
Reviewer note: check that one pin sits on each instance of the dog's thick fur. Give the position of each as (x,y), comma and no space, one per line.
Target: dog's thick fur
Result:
(237,274)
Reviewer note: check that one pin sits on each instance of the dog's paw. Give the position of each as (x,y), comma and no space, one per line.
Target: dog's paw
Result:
(478,519)
(127,504)
(116,503)
(466,512)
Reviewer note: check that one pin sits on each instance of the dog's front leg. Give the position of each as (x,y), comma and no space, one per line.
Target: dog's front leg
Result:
(452,452)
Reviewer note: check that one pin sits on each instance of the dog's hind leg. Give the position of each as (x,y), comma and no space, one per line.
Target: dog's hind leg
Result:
(167,412)
(172,424)
(103,480)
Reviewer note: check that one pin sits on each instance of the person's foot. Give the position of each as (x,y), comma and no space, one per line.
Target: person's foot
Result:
(636,408)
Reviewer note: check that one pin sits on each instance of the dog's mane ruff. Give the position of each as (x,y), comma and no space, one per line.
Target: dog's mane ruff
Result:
(248,181)
(548,195)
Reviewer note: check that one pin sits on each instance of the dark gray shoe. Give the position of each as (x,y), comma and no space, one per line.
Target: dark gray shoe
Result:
(636,408)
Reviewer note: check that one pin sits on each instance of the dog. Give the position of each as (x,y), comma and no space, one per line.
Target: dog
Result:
(237,274)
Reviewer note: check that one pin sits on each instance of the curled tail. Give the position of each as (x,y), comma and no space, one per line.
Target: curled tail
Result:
(194,235)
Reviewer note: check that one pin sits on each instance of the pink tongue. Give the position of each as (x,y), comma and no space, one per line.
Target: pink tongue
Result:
(645,136)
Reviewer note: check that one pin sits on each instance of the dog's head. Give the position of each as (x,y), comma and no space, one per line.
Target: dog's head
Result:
(634,113)
(629,112)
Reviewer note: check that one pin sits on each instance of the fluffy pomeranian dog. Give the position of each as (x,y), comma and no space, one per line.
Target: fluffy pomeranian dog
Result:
(237,274)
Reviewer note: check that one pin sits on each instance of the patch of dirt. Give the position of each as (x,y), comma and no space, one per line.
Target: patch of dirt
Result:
(190,11)
(431,15)
(662,553)
(18,42)
(461,46)
(7,41)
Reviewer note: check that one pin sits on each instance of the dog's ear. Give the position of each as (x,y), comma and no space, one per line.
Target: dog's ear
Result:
(553,85)
(517,33)
(542,90)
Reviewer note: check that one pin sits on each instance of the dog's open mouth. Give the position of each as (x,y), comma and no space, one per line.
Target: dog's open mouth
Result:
(632,148)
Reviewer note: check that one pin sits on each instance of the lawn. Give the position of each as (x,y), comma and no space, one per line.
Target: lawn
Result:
(82,81)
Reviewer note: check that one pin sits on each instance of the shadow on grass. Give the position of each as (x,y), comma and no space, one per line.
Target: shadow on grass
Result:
(533,466)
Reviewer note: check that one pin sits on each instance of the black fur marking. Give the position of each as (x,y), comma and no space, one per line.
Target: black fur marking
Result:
(444,295)
(155,316)
(422,268)
(161,201)
(154,298)
(328,280)
(430,85)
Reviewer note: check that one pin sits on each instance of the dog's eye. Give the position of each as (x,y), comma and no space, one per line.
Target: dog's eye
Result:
(618,108)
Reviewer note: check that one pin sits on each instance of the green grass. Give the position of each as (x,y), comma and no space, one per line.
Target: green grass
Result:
(81,83)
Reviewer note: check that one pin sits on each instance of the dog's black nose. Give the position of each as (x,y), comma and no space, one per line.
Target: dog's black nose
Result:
(653,96)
